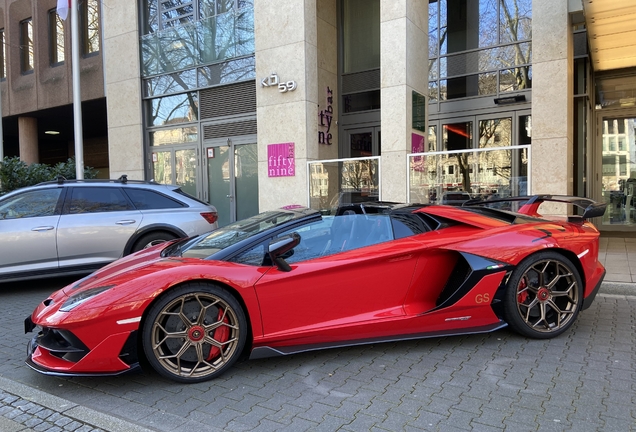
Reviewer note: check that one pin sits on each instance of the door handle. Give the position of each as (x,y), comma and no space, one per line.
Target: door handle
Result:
(42,228)
(230,196)
(125,222)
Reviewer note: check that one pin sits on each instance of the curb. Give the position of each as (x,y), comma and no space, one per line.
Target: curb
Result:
(618,288)
(29,402)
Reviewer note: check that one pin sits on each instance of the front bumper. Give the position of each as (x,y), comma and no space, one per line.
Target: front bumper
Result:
(60,353)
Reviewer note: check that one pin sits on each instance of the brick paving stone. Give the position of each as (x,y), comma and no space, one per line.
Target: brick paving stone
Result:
(498,381)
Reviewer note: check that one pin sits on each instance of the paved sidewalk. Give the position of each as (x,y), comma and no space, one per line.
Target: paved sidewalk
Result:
(24,408)
(618,255)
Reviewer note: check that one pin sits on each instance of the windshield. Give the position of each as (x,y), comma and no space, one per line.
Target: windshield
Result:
(231,234)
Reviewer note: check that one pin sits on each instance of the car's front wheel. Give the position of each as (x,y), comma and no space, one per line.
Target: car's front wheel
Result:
(543,296)
(194,333)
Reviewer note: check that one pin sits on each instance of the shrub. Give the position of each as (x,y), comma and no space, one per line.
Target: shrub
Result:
(15,174)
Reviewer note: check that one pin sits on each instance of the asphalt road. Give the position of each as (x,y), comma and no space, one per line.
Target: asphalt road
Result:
(583,380)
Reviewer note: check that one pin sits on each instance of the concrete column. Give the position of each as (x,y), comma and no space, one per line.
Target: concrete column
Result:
(28,139)
(552,99)
(122,72)
(286,45)
(404,66)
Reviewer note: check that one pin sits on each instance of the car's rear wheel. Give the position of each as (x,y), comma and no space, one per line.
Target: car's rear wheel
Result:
(152,239)
(543,296)
(194,333)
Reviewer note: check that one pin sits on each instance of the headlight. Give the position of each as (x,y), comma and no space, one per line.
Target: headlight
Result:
(79,298)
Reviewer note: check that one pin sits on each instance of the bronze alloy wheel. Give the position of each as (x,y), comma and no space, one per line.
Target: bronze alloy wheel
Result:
(194,333)
(545,295)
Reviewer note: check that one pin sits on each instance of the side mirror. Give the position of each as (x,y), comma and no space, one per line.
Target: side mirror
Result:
(281,245)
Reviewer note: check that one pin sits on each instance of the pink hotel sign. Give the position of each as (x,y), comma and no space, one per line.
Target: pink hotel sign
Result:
(281,160)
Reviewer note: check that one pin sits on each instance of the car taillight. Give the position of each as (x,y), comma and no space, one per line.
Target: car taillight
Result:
(211,217)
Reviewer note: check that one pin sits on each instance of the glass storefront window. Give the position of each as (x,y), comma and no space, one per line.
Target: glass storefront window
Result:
(208,39)
(495,132)
(481,47)
(183,108)
(458,136)
(365,101)
(180,135)
(437,178)
(619,170)
(342,181)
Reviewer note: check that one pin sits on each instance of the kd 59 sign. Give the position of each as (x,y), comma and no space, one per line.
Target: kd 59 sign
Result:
(274,81)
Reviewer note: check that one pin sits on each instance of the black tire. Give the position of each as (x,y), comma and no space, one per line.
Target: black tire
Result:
(152,239)
(544,296)
(194,333)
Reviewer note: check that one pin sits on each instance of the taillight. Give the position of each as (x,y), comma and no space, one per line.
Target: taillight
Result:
(211,217)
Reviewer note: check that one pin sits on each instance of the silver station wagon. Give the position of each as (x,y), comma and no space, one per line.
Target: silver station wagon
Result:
(74,227)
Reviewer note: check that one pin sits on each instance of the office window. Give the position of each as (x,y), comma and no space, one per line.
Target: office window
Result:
(26,46)
(89,10)
(3,64)
(56,38)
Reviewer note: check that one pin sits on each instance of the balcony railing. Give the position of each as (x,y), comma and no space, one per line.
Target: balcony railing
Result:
(494,172)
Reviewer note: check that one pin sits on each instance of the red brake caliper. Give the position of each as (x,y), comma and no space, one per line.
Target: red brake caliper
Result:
(522,296)
(221,334)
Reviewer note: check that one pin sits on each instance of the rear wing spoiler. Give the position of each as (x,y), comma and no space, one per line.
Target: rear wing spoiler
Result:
(591,209)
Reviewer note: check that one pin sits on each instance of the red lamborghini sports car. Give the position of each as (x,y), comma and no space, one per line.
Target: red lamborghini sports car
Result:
(294,280)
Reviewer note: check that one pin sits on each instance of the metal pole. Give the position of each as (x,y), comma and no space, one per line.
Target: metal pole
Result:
(77,95)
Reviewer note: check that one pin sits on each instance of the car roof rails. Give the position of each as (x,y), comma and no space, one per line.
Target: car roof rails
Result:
(123,179)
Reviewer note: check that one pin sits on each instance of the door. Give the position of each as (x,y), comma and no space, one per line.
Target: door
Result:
(341,276)
(95,226)
(177,165)
(362,142)
(232,179)
(28,228)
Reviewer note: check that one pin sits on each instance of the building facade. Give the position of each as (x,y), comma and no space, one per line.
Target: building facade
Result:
(253,105)
(37,93)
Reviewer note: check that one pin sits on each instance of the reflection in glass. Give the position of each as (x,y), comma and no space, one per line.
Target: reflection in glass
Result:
(495,132)
(432,138)
(525,130)
(212,39)
(361,144)
(90,26)
(479,42)
(482,174)
(227,72)
(181,135)
(246,180)
(186,170)
(162,167)
(458,136)
(516,20)
(181,108)
(171,83)
(342,182)
(56,37)
(619,170)
(515,79)
(219,183)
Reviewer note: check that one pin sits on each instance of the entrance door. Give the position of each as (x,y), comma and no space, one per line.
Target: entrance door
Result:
(232,178)
(177,165)
(617,168)
(362,142)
